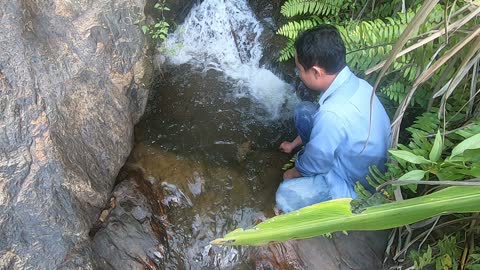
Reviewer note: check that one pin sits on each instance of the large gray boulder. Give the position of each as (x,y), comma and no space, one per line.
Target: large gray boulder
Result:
(71,89)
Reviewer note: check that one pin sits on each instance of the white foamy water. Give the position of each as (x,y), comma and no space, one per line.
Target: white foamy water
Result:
(224,35)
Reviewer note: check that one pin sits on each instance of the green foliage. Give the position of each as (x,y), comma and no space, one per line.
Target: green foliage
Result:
(293,8)
(425,151)
(368,40)
(288,52)
(293,28)
(289,164)
(425,158)
(444,255)
(159,30)
(422,260)
(336,215)
(474,260)
(396,91)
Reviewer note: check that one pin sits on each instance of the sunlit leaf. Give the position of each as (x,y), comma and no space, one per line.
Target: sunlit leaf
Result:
(413,175)
(336,215)
(470,143)
(472,155)
(410,157)
(437,148)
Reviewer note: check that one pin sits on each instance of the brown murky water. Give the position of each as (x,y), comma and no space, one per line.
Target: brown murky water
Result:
(215,155)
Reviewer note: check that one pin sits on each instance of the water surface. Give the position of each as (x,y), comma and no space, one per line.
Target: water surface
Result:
(215,156)
(211,132)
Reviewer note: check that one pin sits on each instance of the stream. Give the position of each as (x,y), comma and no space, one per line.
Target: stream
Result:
(211,132)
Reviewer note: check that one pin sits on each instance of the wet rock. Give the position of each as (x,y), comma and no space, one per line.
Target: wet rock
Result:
(72,77)
(174,197)
(355,251)
(133,235)
(266,8)
(177,12)
(197,185)
(268,13)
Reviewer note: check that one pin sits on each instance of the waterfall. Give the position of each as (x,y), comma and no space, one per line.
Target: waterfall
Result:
(224,35)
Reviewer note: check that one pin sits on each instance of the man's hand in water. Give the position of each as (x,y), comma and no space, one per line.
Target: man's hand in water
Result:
(292,173)
(287,147)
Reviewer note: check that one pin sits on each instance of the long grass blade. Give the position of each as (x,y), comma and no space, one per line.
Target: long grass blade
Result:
(336,215)
(461,73)
(411,28)
(452,27)
(465,67)
(473,86)
(424,77)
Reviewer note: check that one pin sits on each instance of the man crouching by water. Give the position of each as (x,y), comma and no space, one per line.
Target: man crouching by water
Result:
(334,131)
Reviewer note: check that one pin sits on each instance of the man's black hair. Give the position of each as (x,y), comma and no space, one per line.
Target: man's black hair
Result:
(321,46)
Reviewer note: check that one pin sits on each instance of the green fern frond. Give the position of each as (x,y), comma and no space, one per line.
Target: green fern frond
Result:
(314,7)
(288,52)
(369,42)
(293,28)
(396,92)
(425,124)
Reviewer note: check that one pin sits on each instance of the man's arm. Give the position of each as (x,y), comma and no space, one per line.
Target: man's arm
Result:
(291,173)
(287,147)
(327,134)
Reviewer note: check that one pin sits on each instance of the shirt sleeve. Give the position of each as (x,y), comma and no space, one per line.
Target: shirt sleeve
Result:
(327,134)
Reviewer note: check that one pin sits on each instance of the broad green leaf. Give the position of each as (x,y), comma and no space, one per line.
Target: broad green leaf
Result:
(144,29)
(336,215)
(475,172)
(437,148)
(446,174)
(410,157)
(413,175)
(470,143)
(472,155)
(473,267)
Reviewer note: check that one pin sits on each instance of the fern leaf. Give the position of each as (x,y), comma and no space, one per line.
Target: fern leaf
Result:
(288,52)
(293,8)
(292,29)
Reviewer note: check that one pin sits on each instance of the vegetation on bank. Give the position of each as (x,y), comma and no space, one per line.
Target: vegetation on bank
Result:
(158,31)
(422,58)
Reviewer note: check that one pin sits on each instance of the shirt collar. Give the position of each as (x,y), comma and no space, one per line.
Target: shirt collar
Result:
(342,76)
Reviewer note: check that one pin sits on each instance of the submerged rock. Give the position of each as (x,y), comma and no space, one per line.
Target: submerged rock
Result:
(72,77)
(132,234)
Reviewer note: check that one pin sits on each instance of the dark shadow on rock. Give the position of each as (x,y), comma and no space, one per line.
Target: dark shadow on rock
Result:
(355,251)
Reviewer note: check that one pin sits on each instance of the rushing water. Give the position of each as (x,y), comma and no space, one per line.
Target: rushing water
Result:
(211,132)
(224,35)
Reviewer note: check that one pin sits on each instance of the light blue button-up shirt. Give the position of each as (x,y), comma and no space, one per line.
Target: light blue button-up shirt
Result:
(340,130)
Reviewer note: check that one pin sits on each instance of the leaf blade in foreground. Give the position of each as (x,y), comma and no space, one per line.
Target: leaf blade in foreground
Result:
(336,215)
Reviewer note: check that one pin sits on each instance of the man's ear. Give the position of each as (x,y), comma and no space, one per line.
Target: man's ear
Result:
(318,72)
